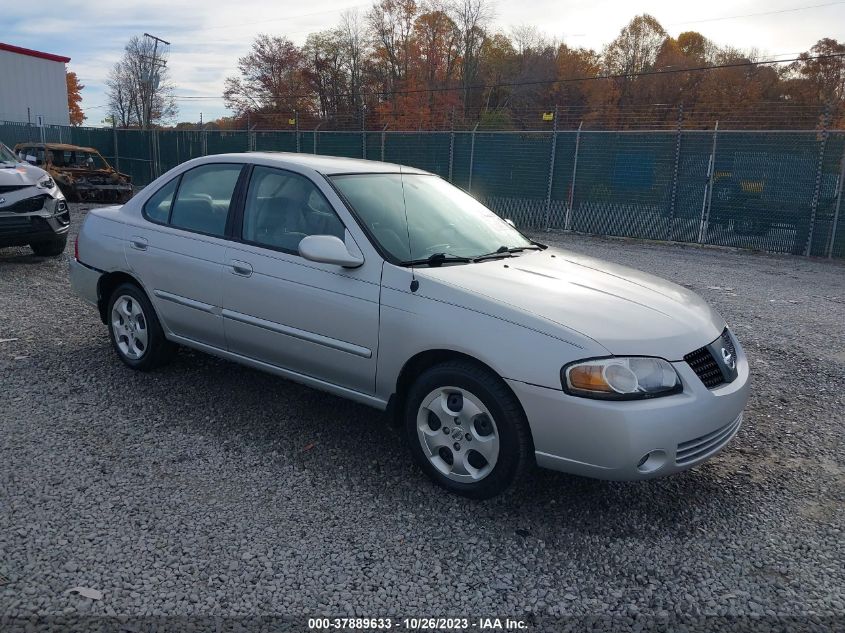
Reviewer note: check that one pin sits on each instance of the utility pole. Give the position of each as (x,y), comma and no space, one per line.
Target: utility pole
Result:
(151,77)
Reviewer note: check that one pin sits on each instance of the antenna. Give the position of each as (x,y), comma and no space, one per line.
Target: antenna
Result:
(414,283)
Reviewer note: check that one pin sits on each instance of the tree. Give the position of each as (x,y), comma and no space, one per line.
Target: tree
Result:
(635,48)
(139,92)
(272,79)
(437,41)
(74,98)
(353,42)
(472,18)
(825,75)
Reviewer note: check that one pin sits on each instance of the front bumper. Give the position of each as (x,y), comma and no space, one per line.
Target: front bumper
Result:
(608,440)
(46,224)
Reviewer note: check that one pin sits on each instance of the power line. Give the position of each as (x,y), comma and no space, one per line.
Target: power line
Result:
(513,84)
(754,15)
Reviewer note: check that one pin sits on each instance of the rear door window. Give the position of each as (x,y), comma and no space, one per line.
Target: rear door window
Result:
(204,197)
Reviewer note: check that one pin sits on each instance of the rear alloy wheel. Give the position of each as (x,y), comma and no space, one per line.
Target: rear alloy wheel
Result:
(135,331)
(466,430)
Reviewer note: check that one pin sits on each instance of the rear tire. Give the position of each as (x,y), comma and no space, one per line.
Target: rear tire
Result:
(467,430)
(52,248)
(135,331)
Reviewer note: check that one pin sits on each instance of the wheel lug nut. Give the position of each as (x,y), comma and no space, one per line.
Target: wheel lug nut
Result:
(446,430)
(457,446)
(458,421)
(469,437)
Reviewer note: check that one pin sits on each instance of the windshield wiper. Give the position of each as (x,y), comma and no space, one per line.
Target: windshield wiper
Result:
(505,251)
(436,260)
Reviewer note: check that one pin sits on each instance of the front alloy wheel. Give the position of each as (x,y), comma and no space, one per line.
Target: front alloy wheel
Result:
(458,434)
(466,429)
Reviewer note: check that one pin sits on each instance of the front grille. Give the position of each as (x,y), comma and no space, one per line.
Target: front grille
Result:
(27,205)
(705,367)
(10,188)
(710,363)
(700,447)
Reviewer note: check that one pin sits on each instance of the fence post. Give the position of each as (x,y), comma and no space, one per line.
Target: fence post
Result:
(471,158)
(838,205)
(567,225)
(296,121)
(817,191)
(548,217)
(114,142)
(363,132)
(708,189)
(316,131)
(383,135)
(674,198)
(452,145)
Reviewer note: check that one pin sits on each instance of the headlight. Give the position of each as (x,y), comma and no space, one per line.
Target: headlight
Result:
(620,378)
(46,183)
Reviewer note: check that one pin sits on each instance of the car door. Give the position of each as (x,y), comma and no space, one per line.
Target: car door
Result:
(179,249)
(320,320)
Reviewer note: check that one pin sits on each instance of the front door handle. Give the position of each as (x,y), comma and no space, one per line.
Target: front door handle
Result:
(138,243)
(241,268)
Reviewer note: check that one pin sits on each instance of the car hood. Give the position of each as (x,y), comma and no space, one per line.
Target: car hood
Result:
(23,174)
(626,311)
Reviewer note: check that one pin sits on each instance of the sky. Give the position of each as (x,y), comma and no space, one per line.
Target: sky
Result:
(208,36)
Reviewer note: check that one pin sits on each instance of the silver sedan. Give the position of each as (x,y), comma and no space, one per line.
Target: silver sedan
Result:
(387,285)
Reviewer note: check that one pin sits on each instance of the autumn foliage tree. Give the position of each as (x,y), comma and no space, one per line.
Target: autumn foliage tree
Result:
(74,98)
(412,64)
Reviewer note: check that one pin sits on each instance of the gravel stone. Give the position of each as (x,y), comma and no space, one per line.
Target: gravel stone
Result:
(187,491)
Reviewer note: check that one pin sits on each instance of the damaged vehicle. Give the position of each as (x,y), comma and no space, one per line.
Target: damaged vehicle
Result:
(33,210)
(81,172)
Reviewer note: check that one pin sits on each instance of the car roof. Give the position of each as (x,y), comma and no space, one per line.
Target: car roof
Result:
(330,165)
(61,146)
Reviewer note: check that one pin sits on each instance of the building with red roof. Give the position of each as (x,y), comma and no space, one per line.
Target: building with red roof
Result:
(33,86)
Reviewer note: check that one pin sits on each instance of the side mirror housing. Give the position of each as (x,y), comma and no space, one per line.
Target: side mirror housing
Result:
(328,249)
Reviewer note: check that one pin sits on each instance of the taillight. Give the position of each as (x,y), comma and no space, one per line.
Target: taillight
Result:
(76,247)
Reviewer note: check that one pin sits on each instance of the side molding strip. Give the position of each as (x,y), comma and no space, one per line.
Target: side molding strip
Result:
(304,335)
(184,301)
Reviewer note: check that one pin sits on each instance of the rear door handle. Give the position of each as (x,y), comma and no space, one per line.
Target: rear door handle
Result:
(241,268)
(138,243)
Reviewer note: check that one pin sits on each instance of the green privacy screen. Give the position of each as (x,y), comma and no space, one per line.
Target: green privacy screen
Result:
(775,191)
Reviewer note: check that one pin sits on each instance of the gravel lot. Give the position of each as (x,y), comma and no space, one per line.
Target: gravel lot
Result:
(211,489)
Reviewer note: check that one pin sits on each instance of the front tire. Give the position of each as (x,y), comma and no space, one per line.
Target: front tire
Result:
(135,331)
(467,430)
(52,248)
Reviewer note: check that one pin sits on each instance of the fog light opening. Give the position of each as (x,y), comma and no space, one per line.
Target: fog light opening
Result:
(652,461)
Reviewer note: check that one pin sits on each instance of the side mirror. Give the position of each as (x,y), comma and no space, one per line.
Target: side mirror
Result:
(509,221)
(328,249)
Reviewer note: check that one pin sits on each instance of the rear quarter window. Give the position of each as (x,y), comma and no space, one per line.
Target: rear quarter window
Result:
(157,208)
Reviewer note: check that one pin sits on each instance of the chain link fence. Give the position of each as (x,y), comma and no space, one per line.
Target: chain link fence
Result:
(773,190)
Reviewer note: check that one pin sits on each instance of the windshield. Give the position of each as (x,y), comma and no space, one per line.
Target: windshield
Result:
(7,155)
(440,217)
(76,159)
